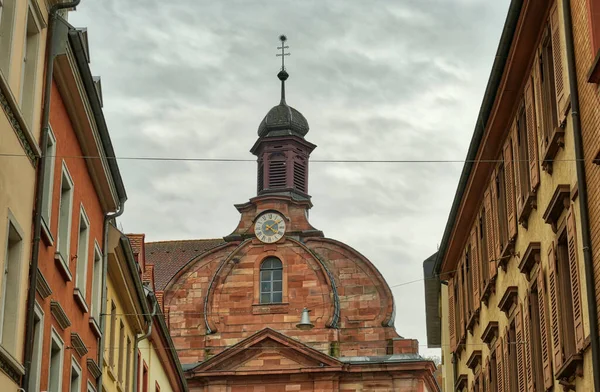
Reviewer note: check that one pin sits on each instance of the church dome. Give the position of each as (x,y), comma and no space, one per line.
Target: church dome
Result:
(283,120)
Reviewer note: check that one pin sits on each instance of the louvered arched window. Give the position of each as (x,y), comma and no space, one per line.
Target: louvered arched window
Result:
(271,281)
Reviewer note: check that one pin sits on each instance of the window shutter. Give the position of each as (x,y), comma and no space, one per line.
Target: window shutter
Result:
(452,314)
(486,376)
(538,101)
(461,295)
(516,165)
(546,359)
(532,141)
(554,311)
(509,180)
(496,224)
(527,344)
(277,172)
(506,360)
(499,366)
(489,233)
(557,54)
(574,272)
(519,346)
(475,269)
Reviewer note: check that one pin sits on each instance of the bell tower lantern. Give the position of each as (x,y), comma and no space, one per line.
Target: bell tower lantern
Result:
(281,150)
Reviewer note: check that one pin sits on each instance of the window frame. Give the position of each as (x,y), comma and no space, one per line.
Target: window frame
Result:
(56,339)
(271,280)
(113,326)
(535,335)
(50,154)
(9,281)
(75,366)
(63,245)
(82,255)
(29,66)
(96,295)
(7,21)
(565,300)
(35,373)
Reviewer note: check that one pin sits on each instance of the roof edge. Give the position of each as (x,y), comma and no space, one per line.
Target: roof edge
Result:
(489,98)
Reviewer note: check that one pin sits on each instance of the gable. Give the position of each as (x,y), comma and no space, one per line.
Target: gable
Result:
(267,350)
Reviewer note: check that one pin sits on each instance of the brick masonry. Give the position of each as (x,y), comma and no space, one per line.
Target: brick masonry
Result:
(213,304)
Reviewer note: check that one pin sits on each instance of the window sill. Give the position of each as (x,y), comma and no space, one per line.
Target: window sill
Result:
(557,141)
(474,319)
(488,290)
(572,367)
(560,201)
(120,386)
(271,308)
(46,235)
(10,366)
(95,327)
(597,158)
(78,295)
(531,257)
(63,266)
(529,204)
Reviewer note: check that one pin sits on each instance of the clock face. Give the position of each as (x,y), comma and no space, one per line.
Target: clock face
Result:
(269,227)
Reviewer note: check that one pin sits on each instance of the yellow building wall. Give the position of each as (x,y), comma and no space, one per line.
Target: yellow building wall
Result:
(156,371)
(17,171)
(110,378)
(564,172)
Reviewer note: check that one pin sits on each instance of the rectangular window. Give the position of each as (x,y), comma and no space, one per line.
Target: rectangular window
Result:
(483,254)
(121,347)
(38,340)
(82,252)
(567,327)
(549,111)
(502,213)
(11,285)
(97,284)
(469,282)
(113,333)
(128,365)
(7,19)
(534,333)
(75,376)
(523,175)
(511,367)
(65,217)
(90,387)
(493,373)
(56,363)
(50,153)
(29,67)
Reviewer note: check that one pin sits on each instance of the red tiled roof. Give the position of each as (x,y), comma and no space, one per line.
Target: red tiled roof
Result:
(169,257)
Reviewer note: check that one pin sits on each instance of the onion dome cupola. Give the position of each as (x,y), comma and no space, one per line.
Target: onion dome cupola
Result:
(281,149)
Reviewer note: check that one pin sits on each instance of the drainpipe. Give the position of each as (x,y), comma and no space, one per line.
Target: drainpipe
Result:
(139,338)
(107,219)
(583,195)
(51,52)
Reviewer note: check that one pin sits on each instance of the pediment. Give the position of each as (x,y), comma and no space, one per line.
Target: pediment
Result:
(267,350)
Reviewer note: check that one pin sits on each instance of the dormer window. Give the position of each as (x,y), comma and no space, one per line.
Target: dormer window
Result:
(271,281)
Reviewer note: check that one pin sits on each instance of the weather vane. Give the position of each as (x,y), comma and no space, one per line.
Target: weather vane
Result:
(283,38)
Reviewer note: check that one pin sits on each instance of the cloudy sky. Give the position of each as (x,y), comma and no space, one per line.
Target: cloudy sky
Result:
(377,80)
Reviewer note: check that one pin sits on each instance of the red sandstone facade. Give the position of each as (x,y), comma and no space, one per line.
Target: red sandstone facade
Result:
(231,336)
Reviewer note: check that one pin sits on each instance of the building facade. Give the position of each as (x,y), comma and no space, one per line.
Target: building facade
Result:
(22,43)
(512,265)
(276,305)
(76,196)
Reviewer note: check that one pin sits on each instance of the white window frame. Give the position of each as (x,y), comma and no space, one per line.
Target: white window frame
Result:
(90,387)
(29,66)
(7,279)
(96,299)
(7,26)
(56,339)
(82,254)
(75,367)
(50,152)
(38,344)
(63,245)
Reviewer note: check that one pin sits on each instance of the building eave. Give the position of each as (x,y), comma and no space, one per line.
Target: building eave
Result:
(489,103)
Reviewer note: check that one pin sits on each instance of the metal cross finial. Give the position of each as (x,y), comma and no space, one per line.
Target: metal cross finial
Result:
(283,38)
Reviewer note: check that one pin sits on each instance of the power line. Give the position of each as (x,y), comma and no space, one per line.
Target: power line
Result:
(196,159)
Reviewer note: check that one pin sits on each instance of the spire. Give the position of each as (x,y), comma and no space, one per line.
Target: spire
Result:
(283,75)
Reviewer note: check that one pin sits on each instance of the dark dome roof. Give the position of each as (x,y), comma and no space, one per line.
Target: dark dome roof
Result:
(283,120)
